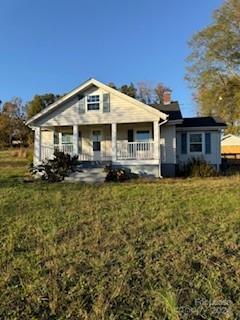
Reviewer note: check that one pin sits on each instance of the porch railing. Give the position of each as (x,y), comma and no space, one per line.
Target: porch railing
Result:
(125,151)
(66,147)
(135,150)
(47,151)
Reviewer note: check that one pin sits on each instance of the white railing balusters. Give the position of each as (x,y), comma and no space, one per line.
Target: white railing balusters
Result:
(66,147)
(140,150)
(135,150)
(47,151)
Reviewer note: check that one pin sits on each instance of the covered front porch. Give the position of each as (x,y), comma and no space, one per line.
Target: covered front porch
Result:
(120,143)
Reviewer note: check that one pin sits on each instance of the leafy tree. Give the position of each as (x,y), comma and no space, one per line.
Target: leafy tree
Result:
(112,85)
(13,128)
(5,130)
(130,90)
(40,102)
(214,65)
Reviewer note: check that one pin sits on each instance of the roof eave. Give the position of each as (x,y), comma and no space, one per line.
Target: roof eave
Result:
(182,128)
(97,83)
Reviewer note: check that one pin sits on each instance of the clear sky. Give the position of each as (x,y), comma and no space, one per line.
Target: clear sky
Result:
(54,45)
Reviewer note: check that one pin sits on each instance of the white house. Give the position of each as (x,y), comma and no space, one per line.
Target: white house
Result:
(99,123)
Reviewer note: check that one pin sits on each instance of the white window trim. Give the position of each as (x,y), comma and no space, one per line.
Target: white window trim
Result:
(203,143)
(100,102)
(61,137)
(142,129)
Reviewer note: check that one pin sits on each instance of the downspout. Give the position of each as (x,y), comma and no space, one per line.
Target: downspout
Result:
(159,162)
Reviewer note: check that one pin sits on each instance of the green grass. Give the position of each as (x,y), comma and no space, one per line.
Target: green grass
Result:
(118,251)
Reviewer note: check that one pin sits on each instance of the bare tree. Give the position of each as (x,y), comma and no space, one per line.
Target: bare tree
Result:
(14,107)
(159,92)
(145,92)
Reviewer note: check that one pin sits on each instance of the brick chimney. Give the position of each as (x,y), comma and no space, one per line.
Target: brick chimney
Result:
(167,97)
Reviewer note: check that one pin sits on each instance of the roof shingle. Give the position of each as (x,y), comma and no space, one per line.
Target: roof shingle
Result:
(202,122)
(172,110)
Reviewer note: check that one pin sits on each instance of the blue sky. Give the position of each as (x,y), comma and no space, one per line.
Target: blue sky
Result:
(54,45)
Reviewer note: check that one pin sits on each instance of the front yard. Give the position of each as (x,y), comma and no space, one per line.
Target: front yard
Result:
(158,250)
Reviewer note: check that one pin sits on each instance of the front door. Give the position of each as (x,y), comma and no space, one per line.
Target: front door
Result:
(96,144)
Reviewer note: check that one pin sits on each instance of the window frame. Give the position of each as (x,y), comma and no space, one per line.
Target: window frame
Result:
(89,103)
(202,143)
(143,129)
(68,134)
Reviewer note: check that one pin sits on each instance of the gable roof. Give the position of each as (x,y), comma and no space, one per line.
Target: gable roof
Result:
(84,86)
(172,110)
(230,139)
(202,122)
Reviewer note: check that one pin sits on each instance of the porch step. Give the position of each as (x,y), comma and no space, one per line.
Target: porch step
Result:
(87,175)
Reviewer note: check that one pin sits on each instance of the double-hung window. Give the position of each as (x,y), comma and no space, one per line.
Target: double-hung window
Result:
(93,103)
(195,142)
(67,138)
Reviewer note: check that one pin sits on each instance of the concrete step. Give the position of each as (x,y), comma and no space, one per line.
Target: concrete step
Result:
(89,175)
(93,164)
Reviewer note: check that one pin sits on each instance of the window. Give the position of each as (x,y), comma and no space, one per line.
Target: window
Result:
(67,138)
(143,135)
(195,142)
(93,103)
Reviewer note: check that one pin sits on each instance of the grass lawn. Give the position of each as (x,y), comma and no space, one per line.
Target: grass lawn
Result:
(160,250)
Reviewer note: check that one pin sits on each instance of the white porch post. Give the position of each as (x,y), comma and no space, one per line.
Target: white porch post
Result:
(75,140)
(156,140)
(114,141)
(37,145)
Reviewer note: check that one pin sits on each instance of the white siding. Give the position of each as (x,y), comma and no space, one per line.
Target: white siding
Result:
(121,111)
(214,157)
(230,140)
(47,137)
(86,139)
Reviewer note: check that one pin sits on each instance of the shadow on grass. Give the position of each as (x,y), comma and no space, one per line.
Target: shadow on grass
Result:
(11,181)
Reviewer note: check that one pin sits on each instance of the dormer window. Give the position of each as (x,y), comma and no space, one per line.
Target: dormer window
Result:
(93,103)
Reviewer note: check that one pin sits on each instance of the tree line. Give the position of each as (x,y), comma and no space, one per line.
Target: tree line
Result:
(213,69)
(14,113)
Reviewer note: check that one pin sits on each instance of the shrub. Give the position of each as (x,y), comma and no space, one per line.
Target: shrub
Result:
(56,169)
(197,167)
(119,174)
